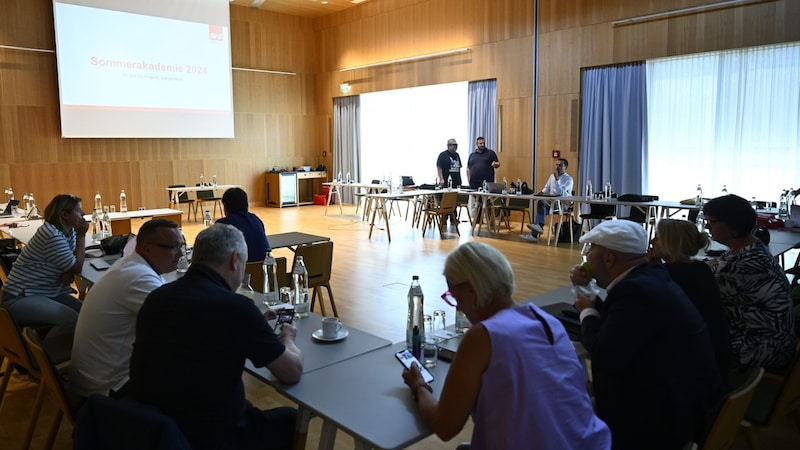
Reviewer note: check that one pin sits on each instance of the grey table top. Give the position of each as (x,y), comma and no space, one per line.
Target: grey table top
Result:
(293,239)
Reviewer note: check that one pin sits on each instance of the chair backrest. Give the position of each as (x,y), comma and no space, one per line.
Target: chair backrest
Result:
(184,197)
(256,271)
(11,345)
(318,259)
(205,195)
(788,399)
(107,424)
(447,205)
(49,374)
(725,428)
(494,188)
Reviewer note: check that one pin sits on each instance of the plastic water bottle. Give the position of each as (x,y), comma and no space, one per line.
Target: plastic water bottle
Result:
(607,191)
(449,182)
(754,204)
(207,220)
(724,189)
(270,279)
(33,211)
(97,227)
(698,198)
(701,221)
(10,193)
(202,180)
(505,185)
(783,205)
(348,177)
(589,190)
(484,186)
(214,180)
(300,283)
(416,300)
(519,186)
(123,202)
(98,201)
(339,177)
(436,184)
(106,225)
(245,288)
(26,202)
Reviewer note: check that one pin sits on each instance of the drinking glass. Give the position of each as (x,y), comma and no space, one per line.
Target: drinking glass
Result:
(438,322)
(286,295)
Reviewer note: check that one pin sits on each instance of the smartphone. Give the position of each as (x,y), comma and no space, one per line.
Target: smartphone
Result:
(99,264)
(406,359)
(446,355)
(285,315)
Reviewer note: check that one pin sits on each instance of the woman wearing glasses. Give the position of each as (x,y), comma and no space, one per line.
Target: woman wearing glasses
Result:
(38,290)
(515,372)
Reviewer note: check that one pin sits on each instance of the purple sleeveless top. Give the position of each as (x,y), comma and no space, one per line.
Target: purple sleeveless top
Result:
(533,394)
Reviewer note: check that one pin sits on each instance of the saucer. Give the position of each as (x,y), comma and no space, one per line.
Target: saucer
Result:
(343,333)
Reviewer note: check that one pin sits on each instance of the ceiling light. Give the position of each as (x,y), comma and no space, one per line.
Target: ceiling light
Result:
(409,59)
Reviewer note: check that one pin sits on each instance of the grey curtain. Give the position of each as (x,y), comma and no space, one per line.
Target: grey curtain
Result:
(347,141)
(482,113)
(613,128)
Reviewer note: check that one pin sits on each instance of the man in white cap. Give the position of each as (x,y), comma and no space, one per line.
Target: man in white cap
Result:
(654,376)
(448,165)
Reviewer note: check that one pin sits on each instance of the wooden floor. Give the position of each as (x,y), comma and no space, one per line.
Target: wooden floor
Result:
(370,281)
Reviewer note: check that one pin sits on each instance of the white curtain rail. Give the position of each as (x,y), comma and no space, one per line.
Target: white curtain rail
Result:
(692,9)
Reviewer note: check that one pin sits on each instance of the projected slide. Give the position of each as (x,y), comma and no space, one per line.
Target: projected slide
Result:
(133,75)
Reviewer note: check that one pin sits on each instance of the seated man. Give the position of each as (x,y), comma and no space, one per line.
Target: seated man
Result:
(559,183)
(234,200)
(106,329)
(656,383)
(192,339)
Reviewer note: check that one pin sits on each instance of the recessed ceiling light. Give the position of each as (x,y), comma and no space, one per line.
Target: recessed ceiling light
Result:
(357,1)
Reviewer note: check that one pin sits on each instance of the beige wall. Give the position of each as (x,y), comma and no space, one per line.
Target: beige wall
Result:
(286,120)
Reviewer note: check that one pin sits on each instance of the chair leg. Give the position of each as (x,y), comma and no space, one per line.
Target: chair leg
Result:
(6,379)
(37,408)
(51,437)
(330,295)
(440,219)
(750,434)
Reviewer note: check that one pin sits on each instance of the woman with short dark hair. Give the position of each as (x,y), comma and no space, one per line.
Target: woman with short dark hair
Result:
(754,288)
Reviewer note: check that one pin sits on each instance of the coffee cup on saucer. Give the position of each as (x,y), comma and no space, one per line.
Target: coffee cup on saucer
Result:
(331,327)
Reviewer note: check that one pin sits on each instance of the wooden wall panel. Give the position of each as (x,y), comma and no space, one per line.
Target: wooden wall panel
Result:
(272,116)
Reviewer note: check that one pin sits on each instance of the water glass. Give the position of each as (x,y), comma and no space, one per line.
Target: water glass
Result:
(286,295)
(439,323)
(430,351)
(113,208)
(183,265)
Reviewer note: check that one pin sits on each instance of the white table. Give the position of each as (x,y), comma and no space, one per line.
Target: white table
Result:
(335,187)
(176,192)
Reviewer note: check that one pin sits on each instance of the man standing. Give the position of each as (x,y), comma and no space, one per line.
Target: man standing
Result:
(106,329)
(559,183)
(655,379)
(481,165)
(192,339)
(449,164)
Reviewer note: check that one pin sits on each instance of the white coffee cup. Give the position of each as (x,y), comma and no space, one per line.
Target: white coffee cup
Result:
(330,327)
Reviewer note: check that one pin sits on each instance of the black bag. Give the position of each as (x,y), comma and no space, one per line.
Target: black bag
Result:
(113,245)
(525,189)
(576,232)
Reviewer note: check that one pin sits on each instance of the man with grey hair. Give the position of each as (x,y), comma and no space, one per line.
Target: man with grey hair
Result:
(655,379)
(192,339)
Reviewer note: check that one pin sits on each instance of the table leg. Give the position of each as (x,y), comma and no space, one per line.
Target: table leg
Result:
(327,437)
(301,428)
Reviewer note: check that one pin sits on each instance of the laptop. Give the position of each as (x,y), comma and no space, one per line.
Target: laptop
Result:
(9,208)
(407,181)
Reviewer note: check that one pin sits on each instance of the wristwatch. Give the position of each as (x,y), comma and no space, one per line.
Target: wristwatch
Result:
(421,384)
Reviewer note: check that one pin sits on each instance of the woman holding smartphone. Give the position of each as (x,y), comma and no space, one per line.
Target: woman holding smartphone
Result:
(515,372)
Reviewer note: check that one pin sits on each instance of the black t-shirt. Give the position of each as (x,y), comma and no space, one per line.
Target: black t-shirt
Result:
(450,163)
(480,167)
(192,338)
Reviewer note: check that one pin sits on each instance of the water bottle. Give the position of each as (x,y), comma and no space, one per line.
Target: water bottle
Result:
(26,202)
(348,177)
(207,220)
(519,186)
(96,226)
(754,204)
(589,190)
(449,182)
(589,290)
(106,225)
(270,279)
(484,186)
(98,201)
(10,193)
(300,283)
(436,184)
(505,185)
(123,202)
(783,205)
(701,221)
(32,210)
(724,189)
(202,180)
(339,177)
(415,312)
(245,288)
(214,180)
(607,191)
(698,198)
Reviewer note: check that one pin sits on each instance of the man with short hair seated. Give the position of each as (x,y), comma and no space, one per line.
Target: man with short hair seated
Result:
(234,200)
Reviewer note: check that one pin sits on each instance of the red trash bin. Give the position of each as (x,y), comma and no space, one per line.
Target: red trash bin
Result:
(325,191)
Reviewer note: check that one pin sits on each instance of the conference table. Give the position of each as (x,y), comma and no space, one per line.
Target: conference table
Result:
(336,186)
(293,239)
(176,192)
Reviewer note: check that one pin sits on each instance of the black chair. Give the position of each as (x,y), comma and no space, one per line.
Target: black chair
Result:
(183,199)
(207,196)
(597,211)
(120,424)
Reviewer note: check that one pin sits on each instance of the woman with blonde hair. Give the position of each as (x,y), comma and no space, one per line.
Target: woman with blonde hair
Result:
(38,289)
(674,244)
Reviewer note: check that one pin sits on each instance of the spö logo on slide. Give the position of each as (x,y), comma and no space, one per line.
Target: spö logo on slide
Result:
(215,32)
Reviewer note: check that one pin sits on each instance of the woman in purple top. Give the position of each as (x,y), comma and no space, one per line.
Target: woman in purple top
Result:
(515,373)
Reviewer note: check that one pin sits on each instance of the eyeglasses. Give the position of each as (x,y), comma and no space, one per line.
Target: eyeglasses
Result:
(176,248)
(448,298)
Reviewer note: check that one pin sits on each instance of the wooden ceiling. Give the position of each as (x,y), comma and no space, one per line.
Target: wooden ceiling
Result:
(303,8)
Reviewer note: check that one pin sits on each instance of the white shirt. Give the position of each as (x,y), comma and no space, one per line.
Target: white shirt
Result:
(562,186)
(106,328)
